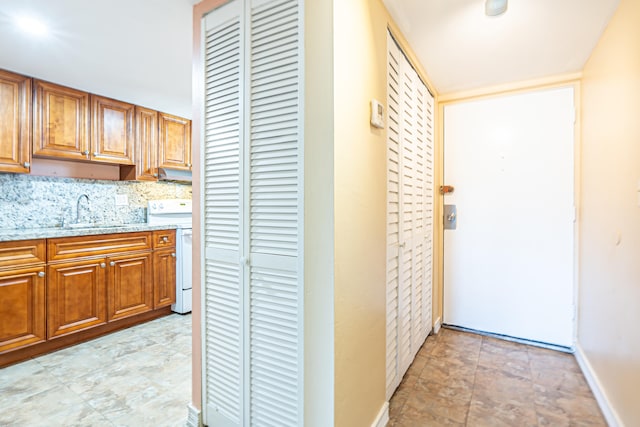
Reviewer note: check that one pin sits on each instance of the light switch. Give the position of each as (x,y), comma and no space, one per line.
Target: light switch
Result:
(122,200)
(377,114)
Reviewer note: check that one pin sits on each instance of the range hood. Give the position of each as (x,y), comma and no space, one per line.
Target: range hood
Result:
(174,175)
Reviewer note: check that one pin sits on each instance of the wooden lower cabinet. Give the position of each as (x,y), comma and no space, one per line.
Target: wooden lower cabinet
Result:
(76,296)
(93,285)
(22,308)
(164,281)
(130,289)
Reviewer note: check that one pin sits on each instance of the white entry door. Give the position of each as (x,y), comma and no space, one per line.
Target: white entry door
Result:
(508,266)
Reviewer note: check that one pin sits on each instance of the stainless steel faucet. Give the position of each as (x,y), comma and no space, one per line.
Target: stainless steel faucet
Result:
(78,206)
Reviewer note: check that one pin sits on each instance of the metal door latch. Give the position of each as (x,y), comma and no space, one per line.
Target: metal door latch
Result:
(450,217)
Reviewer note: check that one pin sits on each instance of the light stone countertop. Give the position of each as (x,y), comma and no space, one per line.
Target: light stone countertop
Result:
(7,235)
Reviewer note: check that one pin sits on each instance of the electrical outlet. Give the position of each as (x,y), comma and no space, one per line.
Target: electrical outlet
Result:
(122,200)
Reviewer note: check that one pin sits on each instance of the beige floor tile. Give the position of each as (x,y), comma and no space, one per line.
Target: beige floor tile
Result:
(424,406)
(140,376)
(475,381)
(485,411)
(572,408)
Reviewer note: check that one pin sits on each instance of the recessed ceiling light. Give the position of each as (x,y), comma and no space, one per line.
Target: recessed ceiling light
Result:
(495,7)
(32,25)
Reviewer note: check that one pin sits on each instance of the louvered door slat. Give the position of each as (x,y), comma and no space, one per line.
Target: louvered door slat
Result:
(222,235)
(393,217)
(274,205)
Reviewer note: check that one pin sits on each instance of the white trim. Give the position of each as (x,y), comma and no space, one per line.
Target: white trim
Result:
(193,417)
(437,325)
(383,416)
(596,387)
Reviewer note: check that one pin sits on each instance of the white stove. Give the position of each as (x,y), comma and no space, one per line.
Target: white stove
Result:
(177,212)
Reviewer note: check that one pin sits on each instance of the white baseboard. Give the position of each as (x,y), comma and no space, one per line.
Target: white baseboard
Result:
(599,393)
(193,419)
(437,325)
(383,416)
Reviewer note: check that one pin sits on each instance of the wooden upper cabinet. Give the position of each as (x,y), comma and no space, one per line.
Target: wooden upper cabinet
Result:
(174,148)
(147,144)
(112,131)
(15,122)
(60,122)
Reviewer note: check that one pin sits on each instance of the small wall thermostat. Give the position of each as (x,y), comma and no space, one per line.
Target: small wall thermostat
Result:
(377,114)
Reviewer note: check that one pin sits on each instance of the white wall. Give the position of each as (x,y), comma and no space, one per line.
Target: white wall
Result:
(610,214)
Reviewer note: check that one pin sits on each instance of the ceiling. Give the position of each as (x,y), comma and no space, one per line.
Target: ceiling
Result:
(462,49)
(140,50)
(137,51)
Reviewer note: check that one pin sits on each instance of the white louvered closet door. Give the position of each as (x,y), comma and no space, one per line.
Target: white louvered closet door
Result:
(409,214)
(426,120)
(275,297)
(222,207)
(409,176)
(394,58)
(253,208)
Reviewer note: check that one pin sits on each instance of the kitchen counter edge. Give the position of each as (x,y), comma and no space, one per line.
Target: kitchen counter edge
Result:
(8,235)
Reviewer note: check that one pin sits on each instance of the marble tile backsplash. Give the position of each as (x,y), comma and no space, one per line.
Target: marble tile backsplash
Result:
(37,201)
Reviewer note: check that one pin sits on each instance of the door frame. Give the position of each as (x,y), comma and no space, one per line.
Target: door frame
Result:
(556,82)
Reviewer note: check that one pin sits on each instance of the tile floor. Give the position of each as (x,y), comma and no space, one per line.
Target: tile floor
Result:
(140,376)
(463,379)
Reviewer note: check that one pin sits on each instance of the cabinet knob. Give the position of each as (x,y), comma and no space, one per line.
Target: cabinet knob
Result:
(165,239)
(103,265)
(95,154)
(85,152)
(188,165)
(112,264)
(26,164)
(173,254)
(41,274)
(155,175)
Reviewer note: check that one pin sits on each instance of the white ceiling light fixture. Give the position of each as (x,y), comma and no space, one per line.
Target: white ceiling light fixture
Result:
(495,7)
(31,25)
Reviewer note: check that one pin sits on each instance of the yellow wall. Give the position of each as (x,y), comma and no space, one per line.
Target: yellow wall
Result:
(609,271)
(360,194)
(360,63)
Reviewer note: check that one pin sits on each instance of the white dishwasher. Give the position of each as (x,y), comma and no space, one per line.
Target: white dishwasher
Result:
(177,212)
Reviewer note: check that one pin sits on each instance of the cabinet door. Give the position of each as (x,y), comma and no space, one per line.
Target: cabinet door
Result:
(60,122)
(130,289)
(112,131)
(164,277)
(15,122)
(146,144)
(22,311)
(175,142)
(76,296)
